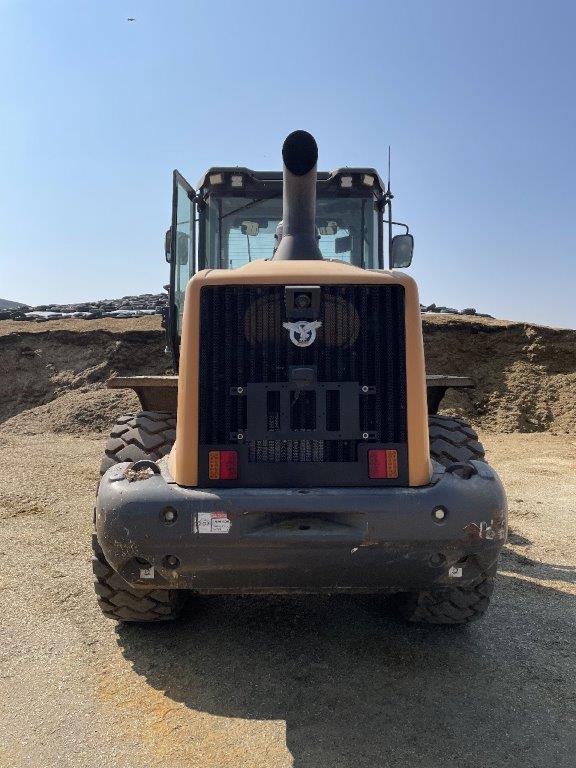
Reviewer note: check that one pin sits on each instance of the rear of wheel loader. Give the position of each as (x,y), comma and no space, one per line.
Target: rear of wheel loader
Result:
(303,461)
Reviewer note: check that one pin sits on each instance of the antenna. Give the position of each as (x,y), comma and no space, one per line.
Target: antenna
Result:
(389,197)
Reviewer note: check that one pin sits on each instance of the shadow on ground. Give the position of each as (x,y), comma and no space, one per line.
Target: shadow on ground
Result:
(359,689)
(515,561)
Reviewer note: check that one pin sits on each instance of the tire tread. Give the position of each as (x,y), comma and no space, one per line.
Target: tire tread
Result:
(119,601)
(142,435)
(453,605)
(453,441)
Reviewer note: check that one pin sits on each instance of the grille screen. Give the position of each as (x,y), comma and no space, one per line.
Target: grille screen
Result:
(243,341)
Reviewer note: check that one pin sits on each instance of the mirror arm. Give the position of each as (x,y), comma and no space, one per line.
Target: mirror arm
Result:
(398,224)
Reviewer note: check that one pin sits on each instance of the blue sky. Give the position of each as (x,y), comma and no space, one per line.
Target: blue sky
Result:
(477,100)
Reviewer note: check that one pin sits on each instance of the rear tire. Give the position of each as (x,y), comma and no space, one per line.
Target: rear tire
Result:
(142,435)
(453,441)
(453,605)
(121,602)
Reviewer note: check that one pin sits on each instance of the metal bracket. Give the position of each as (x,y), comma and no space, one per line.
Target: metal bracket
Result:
(349,412)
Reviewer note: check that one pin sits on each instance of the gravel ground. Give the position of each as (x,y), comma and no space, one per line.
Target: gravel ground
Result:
(308,682)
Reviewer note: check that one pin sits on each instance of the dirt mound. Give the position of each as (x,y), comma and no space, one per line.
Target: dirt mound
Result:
(525,375)
(82,411)
(55,374)
(55,378)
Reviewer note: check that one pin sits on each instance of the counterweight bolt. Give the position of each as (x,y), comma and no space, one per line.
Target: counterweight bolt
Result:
(169,515)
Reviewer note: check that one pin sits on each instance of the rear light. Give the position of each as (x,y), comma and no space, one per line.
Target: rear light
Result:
(223,465)
(382,464)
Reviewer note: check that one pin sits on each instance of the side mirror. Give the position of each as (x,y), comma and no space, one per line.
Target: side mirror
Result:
(182,247)
(343,244)
(168,245)
(401,251)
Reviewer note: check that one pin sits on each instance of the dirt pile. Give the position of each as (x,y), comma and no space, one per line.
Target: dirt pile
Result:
(525,375)
(54,374)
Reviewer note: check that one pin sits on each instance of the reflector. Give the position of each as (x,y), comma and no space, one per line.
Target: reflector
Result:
(392,463)
(214,465)
(228,465)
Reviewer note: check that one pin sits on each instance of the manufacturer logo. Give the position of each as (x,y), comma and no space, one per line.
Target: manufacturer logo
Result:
(302,333)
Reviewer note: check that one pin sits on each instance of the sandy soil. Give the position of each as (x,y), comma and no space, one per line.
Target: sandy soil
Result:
(110,324)
(309,682)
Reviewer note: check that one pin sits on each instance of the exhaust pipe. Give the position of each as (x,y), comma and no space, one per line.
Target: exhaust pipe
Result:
(299,239)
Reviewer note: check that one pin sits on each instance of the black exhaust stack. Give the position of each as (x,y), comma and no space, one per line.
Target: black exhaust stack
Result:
(299,239)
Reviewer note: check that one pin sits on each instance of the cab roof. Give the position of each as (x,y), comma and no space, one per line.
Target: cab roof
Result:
(345,180)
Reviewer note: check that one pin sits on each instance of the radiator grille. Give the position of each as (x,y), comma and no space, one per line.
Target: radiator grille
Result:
(242,341)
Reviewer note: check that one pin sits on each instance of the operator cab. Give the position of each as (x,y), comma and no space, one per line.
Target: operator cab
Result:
(244,208)
(235,216)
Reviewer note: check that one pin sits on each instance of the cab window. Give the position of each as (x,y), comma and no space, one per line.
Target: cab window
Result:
(239,230)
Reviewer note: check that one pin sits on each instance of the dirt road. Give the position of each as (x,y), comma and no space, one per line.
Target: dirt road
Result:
(309,682)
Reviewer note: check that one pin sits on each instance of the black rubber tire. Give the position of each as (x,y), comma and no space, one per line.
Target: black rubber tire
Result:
(453,441)
(453,605)
(119,601)
(143,435)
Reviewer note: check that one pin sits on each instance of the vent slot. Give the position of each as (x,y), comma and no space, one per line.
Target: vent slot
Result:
(303,410)
(332,410)
(273,410)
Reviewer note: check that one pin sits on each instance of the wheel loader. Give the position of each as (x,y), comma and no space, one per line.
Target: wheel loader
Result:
(298,450)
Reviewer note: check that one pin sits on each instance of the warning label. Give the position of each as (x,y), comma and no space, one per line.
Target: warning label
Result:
(212,522)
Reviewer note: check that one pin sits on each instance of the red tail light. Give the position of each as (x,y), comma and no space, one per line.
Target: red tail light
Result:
(223,465)
(382,464)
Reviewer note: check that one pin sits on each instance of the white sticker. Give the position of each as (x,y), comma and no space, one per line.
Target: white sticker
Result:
(213,522)
(454,572)
(147,573)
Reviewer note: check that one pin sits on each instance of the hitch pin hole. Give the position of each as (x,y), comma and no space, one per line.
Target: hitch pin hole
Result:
(171,561)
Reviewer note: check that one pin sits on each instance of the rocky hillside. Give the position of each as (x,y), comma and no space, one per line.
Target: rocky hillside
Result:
(55,372)
(11,305)
(135,306)
(127,306)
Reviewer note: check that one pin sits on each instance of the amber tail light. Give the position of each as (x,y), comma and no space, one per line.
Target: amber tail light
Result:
(382,464)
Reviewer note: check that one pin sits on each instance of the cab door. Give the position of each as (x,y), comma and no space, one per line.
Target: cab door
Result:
(181,253)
